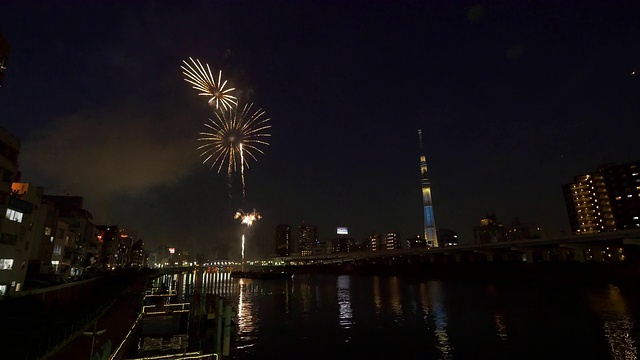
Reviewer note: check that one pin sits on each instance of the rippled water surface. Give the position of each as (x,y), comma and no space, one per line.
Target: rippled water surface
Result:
(340,317)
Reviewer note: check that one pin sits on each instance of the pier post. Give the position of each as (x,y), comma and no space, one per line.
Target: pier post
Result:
(227,330)
(218,314)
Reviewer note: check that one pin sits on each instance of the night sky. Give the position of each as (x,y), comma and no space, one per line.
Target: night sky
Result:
(515,98)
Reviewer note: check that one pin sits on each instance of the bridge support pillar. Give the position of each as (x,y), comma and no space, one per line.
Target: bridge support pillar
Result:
(596,254)
(529,255)
(577,251)
(562,255)
(616,253)
(488,255)
(545,255)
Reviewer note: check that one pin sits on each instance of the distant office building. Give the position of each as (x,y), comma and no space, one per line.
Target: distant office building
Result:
(4,56)
(430,234)
(518,230)
(138,257)
(343,244)
(307,238)
(283,240)
(322,247)
(109,236)
(384,241)
(360,246)
(623,187)
(417,242)
(489,231)
(447,237)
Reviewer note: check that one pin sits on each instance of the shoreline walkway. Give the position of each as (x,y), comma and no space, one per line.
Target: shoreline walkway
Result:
(116,320)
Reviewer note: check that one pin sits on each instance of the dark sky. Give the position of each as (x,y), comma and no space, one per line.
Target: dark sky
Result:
(515,98)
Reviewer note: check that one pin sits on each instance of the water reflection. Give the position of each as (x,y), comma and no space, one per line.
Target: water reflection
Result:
(246,323)
(434,319)
(396,305)
(501,326)
(617,322)
(377,300)
(344,301)
(440,318)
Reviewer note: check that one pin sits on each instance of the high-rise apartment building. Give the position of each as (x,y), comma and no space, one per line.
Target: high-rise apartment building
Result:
(307,238)
(588,204)
(430,234)
(605,200)
(623,187)
(392,241)
(283,240)
(11,242)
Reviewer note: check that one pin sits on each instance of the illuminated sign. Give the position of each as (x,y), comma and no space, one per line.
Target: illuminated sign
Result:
(343,231)
(172,250)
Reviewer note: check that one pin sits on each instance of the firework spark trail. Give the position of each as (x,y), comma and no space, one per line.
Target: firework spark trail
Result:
(242,171)
(201,79)
(242,247)
(247,219)
(233,134)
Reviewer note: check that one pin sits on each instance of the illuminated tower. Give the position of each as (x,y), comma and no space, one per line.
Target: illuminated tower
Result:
(430,234)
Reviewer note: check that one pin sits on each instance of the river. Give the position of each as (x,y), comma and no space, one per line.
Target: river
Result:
(358,317)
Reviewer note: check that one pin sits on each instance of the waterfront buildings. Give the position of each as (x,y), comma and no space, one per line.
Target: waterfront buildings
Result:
(374,243)
(283,240)
(416,242)
(392,241)
(83,246)
(604,200)
(307,239)
(430,234)
(623,187)
(447,237)
(12,245)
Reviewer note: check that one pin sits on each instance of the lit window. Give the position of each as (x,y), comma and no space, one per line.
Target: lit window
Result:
(6,264)
(14,215)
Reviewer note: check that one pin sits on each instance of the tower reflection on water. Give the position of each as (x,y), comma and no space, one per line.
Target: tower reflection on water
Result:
(379,316)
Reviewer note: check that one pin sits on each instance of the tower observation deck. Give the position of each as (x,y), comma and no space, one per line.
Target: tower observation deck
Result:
(430,234)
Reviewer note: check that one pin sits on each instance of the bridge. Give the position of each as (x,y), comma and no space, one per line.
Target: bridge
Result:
(600,247)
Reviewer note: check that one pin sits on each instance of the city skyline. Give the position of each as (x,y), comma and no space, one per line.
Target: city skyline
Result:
(514,103)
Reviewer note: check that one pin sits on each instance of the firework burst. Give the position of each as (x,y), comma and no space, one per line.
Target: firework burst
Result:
(233,137)
(202,79)
(246,219)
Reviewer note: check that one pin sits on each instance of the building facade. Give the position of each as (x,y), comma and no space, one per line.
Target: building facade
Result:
(623,187)
(283,240)
(12,245)
(605,200)
(307,239)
